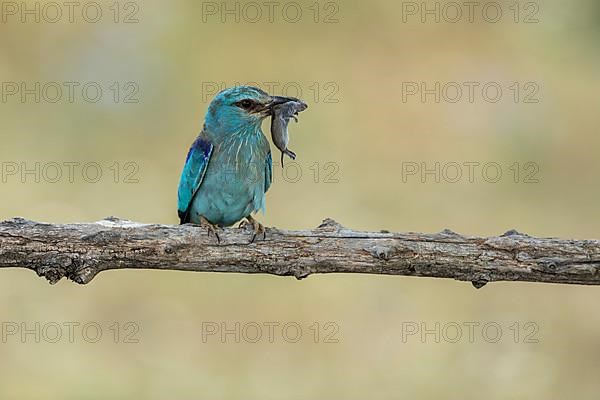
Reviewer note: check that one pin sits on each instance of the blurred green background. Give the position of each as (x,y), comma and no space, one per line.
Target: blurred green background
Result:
(351,61)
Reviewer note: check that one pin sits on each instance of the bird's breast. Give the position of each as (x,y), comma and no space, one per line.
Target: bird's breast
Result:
(234,184)
(242,156)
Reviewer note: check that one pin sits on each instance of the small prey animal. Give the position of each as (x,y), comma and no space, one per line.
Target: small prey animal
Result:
(282,113)
(229,167)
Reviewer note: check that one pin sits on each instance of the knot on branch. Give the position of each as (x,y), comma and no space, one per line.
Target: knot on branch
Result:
(17,221)
(449,232)
(65,266)
(331,225)
(513,232)
(479,284)
(382,252)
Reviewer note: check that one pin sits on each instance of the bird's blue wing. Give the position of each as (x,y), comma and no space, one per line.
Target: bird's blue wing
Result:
(192,175)
(268,172)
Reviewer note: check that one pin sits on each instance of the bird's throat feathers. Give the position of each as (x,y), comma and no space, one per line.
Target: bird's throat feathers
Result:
(242,147)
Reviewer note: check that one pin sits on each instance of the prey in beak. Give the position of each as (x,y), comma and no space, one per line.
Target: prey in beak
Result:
(282,109)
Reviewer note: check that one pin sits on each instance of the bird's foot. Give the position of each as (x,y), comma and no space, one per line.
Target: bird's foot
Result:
(257,228)
(211,228)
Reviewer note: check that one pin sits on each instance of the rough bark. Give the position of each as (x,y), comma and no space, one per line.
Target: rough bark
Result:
(80,251)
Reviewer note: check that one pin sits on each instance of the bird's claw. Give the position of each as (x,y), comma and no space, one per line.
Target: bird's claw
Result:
(210,228)
(257,228)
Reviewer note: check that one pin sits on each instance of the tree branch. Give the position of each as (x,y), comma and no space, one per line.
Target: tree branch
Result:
(80,251)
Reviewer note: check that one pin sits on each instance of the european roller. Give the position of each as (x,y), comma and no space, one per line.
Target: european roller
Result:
(228,168)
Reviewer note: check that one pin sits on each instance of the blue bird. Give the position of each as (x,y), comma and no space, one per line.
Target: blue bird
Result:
(228,168)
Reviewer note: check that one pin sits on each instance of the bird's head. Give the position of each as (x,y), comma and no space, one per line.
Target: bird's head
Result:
(240,109)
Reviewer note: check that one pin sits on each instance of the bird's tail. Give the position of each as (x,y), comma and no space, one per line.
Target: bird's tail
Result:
(184,217)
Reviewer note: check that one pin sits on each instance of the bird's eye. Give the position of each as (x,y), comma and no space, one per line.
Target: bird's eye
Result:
(245,104)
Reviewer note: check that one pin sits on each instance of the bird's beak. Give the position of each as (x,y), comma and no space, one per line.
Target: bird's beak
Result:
(277,100)
(267,110)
